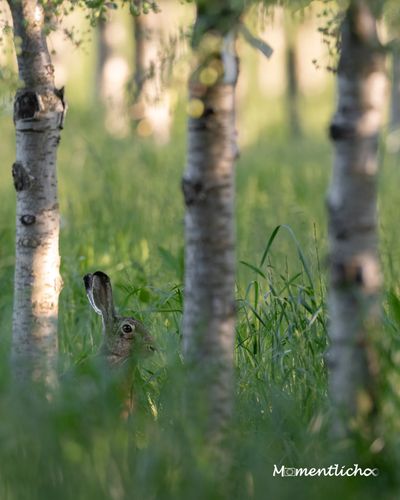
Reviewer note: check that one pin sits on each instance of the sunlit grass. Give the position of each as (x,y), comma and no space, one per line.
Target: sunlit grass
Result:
(122,212)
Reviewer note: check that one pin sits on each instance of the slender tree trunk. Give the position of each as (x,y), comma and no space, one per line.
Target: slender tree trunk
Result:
(354,263)
(151,110)
(112,76)
(292,88)
(145,50)
(38,115)
(104,53)
(395,100)
(208,186)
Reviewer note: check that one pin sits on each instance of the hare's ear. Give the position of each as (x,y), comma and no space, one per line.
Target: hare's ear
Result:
(99,293)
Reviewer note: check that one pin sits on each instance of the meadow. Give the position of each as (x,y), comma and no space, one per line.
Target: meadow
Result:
(122,212)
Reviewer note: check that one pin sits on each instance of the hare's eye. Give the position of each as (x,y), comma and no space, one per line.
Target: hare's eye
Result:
(127,329)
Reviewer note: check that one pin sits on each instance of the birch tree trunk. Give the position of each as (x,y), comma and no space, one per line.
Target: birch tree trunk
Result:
(151,110)
(352,209)
(393,140)
(38,115)
(395,98)
(208,186)
(112,74)
(104,52)
(292,88)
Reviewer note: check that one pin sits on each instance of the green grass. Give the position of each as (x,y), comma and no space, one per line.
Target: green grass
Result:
(122,212)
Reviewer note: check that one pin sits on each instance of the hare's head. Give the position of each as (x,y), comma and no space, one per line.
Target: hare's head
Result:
(123,336)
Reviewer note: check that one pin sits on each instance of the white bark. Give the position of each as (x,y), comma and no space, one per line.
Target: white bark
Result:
(208,185)
(354,263)
(38,115)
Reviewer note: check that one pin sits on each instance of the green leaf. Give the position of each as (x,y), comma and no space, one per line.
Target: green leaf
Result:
(298,248)
(253,268)
(144,295)
(394,306)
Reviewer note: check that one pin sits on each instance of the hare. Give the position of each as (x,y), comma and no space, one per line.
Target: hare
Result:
(124,338)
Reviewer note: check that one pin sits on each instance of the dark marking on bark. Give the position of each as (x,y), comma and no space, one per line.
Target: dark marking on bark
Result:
(341,234)
(338,274)
(345,109)
(34,130)
(62,120)
(208,112)
(343,275)
(340,132)
(197,124)
(49,69)
(361,342)
(22,180)
(193,191)
(196,191)
(358,275)
(216,187)
(26,105)
(28,219)
(28,242)
(60,94)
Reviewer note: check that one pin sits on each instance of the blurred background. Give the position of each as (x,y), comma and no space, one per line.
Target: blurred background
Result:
(123,148)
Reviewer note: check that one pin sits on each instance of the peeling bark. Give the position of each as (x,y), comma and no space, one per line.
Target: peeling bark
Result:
(352,210)
(208,187)
(39,110)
